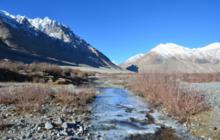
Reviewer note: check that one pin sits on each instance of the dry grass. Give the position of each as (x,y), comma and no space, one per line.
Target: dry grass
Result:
(163,89)
(32,99)
(200,77)
(7,98)
(78,99)
(27,99)
(40,72)
(17,66)
(41,67)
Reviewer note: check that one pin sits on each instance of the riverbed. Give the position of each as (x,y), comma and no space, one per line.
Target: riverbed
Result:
(117,113)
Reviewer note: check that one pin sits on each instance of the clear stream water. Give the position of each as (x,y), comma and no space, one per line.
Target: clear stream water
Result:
(115,113)
(118,114)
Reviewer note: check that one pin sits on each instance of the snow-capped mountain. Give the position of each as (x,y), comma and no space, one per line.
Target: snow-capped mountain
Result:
(46,25)
(210,53)
(134,58)
(171,57)
(45,40)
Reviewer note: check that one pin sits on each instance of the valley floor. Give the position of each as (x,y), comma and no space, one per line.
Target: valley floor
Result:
(101,108)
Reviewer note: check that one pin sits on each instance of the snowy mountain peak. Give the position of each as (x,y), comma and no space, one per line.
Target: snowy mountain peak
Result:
(169,46)
(50,27)
(134,58)
(44,39)
(8,18)
(20,19)
(170,49)
(41,23)
(175,49)
(209,53)
(170,57)
(7,14)
(212,46)
(53,28)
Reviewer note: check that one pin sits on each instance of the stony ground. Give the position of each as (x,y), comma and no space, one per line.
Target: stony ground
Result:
(207,124)
(54,121)
(58,123)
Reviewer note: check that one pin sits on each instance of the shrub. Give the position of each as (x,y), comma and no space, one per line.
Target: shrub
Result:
(39,72)
(31,99)
(163,89)
(77,99)
(6,98)
(27,99)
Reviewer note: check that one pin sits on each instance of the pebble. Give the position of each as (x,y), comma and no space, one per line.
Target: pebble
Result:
(59,121)
(80,129)
(28,135)
(64,133)
(48,125)
(65,125)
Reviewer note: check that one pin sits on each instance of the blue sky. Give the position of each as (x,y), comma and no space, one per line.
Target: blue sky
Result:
(122,28)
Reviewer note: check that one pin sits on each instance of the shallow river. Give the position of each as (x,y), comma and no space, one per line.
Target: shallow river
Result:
(119,115)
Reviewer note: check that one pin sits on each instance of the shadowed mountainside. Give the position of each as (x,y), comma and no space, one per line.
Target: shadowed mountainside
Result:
(45,40)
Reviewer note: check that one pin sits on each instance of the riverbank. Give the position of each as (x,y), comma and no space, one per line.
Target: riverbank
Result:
(44,101)
(207,124)
(120,114)
(198,109)
(123,115)
(51,112)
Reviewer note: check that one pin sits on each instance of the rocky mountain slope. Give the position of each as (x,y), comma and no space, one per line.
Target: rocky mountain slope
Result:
(171,58)
(45,40)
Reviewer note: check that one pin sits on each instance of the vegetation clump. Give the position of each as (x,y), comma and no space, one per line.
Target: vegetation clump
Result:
(40,73)
(33,99)
(165,90)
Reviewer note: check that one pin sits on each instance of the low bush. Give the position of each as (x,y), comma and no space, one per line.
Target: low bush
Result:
(32,99)
(6,98)
(76,99)
(40,73)
(163,89)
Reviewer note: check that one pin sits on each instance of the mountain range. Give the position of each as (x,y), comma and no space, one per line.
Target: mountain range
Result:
(45,40)
(170,57)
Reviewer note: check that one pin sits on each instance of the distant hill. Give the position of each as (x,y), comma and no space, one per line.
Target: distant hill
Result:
(172,58)
(45,40)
